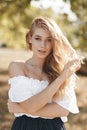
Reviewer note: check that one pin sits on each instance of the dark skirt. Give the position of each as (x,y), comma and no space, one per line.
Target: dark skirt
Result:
(29,123)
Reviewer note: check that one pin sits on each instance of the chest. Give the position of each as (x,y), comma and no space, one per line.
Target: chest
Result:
(35,73)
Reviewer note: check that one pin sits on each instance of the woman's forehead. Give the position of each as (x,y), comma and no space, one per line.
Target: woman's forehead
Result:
(41,32)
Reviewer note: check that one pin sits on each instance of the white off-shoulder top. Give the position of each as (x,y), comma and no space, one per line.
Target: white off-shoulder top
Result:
(23,88)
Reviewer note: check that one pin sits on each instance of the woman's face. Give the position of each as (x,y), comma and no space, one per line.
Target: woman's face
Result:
(42,43)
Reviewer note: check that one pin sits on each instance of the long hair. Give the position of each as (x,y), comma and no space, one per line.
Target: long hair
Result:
(61,53)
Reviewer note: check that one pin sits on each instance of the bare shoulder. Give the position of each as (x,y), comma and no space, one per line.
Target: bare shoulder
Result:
(16,68)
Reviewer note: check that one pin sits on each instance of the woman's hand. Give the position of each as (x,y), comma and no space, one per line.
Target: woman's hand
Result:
(71,67)
(14,107)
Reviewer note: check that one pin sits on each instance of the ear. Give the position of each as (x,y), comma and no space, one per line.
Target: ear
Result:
(28,38)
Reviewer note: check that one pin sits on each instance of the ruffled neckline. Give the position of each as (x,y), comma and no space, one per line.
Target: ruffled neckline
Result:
(29,78)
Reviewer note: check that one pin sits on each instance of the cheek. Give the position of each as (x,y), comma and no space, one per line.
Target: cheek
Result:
(50,47)
(34,44)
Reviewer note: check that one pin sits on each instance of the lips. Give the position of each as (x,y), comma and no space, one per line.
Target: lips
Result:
(42,51)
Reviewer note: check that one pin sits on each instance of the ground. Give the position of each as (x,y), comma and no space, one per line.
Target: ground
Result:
(75,122)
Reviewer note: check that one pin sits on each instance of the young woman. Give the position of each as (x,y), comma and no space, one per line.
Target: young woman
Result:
(42,88)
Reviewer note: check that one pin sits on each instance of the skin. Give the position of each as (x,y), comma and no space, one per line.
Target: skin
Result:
(38,104)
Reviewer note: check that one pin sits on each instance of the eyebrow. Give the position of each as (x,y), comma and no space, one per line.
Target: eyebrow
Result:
(37,36)
(41,36)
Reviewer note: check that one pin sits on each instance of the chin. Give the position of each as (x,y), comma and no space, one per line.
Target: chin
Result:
(42,56)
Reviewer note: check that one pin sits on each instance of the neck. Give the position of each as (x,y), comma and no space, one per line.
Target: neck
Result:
(37,62)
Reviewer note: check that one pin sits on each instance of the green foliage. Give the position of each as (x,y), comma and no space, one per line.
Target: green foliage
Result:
(11,16)
(79,7)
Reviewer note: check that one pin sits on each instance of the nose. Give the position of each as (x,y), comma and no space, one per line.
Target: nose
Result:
(43,43)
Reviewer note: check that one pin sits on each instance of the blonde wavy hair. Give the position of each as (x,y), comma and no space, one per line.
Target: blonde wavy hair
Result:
(62,51)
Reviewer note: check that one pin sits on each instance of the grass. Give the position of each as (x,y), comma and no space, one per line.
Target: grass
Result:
(78,121)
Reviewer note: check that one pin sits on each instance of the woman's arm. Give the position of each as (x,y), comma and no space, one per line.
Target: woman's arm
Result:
(50,110)
(37,102)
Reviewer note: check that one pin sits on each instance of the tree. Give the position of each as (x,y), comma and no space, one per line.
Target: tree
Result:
(79,7)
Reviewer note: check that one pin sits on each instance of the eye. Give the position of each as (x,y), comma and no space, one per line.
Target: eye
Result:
(37,38)
(49,39)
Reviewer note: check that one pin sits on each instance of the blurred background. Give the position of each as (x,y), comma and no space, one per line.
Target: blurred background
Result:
(15,19)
